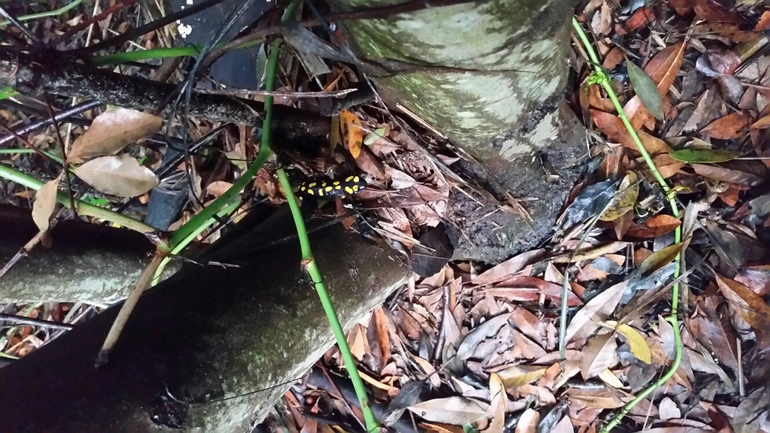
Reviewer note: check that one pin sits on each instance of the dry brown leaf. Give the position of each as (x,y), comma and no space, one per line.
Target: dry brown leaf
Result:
(715,332)
(667,166)
(454,410)
(749,305)
(357,341)
(528,348)
(598,355)
(603,398)
(655,226)
(733,125)
(351,130)
(682,7)
(218,187)
(113,130)
(722,173)
(117,175)
(509,267)
(498,403)
(380,320)
(756,278)
(608,377)
(596,310)
(563,426)
(612,126)
(518,375)
(712,11)
(660,258)
(45,203)
(441,428)
(549,290)
(528,422)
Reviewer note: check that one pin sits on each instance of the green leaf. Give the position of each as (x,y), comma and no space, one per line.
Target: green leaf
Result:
(705,155)
(7,92)
(659,259)
(373,136)
(645,89)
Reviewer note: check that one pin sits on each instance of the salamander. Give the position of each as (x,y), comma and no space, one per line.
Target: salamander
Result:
(332,188)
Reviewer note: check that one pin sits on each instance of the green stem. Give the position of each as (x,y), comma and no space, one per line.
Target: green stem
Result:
(186,241)
(52,13)
(83,208)
(17,151)
(158,53)
(677,237)
(311,266)
(308,260)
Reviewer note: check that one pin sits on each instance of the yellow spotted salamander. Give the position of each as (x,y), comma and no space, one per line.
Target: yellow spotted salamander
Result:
(332,188)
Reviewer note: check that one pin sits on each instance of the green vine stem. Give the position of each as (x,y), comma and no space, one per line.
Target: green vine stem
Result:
(159,53)
(603,79)
(311,266)
(52,13)
(309,263)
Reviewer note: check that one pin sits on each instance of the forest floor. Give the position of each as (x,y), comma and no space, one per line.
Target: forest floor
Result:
(656,268)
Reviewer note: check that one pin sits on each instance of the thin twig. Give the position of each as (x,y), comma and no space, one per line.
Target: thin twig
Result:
(129,35)
(48,121)
(128,306)
(65,170)
(93,19)
(22,28)
(276,93)
(25,249)
(11,318)
(24,141)
(53,13)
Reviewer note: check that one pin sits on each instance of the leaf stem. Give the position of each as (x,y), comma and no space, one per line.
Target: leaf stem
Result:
(52,13)
(605,83)
(83,208)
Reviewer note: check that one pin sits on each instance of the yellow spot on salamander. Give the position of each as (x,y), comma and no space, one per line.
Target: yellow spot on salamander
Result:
(311,185)
(328,189)
(349,190)
(310,191)
(336,182)
(349,178)
(338,187)
(355,187)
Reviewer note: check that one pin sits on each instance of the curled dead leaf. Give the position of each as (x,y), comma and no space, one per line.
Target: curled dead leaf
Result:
(45,203)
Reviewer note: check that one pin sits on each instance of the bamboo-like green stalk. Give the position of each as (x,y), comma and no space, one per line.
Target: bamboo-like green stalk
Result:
(83,208)
(16,151)
(158,53)
(604,81)
(311,266)
(176,249)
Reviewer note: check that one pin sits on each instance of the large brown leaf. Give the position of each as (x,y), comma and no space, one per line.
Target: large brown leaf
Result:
(656,226)
(598,355)
(113,130)
(612,126)
(45,203)
(117,175)
(734,125)
(730,175)
(752,308)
